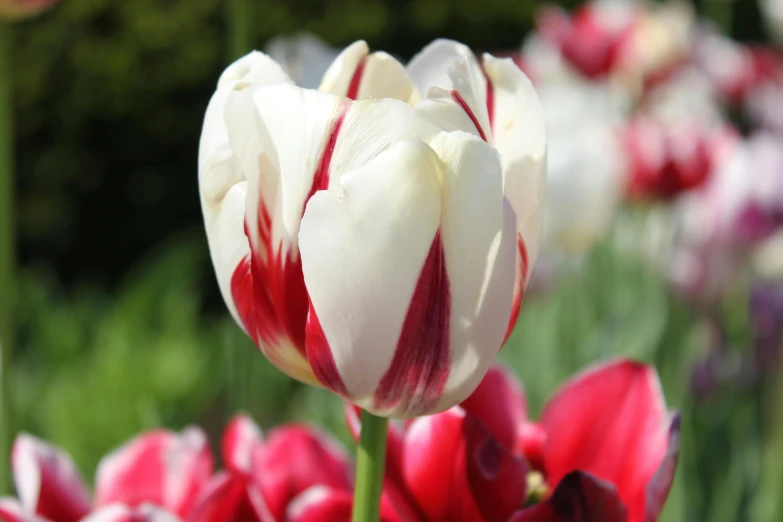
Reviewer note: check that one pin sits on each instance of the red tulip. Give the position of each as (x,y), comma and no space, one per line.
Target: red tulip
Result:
(593,39)
(666,160)
(263,477)
(610,423)
(323,504)
(449,468)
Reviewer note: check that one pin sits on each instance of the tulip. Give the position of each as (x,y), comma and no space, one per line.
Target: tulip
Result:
(17,9)
(605,448)
(737,70)
(608,423)
(594,39)
(265,477)
(376,248)
(585,165)
(669,159)
(731,220)
(156,477)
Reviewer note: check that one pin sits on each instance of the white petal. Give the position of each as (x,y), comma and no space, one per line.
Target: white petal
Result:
(431,67)
(301,124)
(338,76)
(359,75)
(518,129)
(221,179)
(297,124)
(362,252)
(458,101)
(478,230)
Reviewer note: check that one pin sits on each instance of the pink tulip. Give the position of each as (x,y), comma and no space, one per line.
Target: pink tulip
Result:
(16,9)
(376,236)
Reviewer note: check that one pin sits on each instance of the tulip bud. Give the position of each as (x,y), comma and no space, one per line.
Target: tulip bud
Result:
(18,9)
(377,248)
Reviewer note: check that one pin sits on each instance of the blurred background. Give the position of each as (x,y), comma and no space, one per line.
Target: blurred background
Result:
(661,240)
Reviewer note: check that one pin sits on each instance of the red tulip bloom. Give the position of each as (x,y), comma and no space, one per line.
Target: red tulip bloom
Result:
(666,160)
(605,442)
(604,451)
(594,39)
(263,479)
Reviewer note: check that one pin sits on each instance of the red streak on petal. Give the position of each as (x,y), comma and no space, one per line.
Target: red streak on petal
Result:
(457,97)
(270,294)
(356,79)
(490,98)
(319,354)
(321,176)
(517,304)
(420,367)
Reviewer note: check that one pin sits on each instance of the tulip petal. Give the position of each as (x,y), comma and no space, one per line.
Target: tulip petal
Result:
(293,459)
(47,481)
(12,511)
(322,504)
(358,75)
(431,448)
(239,438)
(122,513)
(579,497)
(658,488)
(158,467)
(227,498)
(478,232)
(610,421)
(457,472)
(499,403)
(449,65)
(389,206)
(221,181)
(519,136)
(496,479)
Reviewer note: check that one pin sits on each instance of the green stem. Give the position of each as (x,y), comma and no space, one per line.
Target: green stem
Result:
(240,367)
(238,29)
(370,462)
(7,255)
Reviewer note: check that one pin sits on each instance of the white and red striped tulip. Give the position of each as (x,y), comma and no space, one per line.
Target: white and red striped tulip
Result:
(158,467)
(371,246)
(18,9)
(47,482)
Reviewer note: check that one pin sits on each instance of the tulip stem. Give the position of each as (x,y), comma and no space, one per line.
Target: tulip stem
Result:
(370,462)
(7,255)
(239,29)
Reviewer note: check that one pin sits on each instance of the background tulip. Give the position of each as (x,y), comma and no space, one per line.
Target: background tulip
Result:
(341,232)
(605,448)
